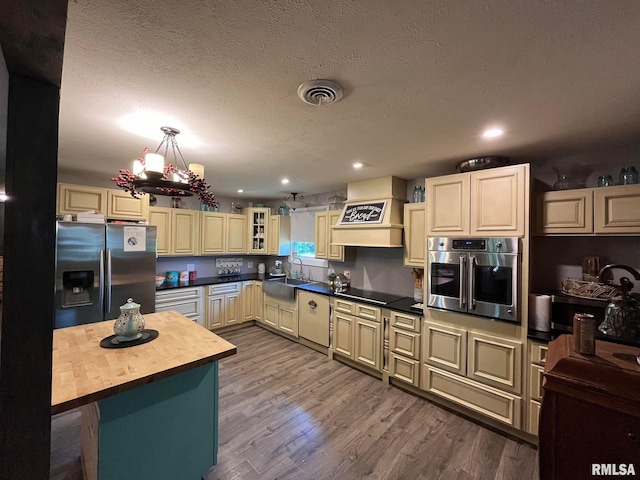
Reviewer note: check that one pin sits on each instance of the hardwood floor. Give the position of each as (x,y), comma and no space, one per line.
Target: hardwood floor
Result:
(288,412)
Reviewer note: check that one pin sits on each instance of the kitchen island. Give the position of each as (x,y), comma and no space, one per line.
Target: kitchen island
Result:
(149,411)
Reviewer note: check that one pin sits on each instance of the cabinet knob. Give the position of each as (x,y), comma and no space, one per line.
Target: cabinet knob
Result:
(312,304)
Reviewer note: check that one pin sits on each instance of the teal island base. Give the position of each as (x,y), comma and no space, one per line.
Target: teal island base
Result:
(167,429)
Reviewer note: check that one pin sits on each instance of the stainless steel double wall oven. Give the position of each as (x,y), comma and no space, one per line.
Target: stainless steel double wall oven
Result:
(477,276)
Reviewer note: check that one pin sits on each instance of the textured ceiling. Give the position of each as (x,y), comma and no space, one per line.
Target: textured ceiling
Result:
(422,80)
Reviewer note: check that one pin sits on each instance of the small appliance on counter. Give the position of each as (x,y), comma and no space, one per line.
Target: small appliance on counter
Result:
(340,283)
(276,271)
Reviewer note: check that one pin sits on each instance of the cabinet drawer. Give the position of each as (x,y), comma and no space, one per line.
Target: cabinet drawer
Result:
(403,320)
(495,361)
(405,343)
(405,369)
(534,417)
(177,295)
(370,313)
(535,381)
(187,308)
(538,352)
(344,306)
(233,287)
(493,403)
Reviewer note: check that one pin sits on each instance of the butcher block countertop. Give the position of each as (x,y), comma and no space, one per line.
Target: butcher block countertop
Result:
(84,372)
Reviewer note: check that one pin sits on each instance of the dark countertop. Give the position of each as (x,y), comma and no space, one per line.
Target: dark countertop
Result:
(394,302)
(204,281)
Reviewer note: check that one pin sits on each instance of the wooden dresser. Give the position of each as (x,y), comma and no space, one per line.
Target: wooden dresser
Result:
(590,411)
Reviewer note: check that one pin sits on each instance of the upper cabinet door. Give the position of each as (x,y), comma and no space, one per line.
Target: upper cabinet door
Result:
(448,205)
(322,235)
(212,232)
(161,218)
(498,199)
(564,212)
(617,209)
(184,232)
(121,205)
(414,234)
(236,233)
(78,198)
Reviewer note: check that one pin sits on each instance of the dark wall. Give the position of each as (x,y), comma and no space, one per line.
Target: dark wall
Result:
(4,99)
(32,43)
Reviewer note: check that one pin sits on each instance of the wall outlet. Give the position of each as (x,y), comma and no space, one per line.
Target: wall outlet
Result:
(347,273)
(190,267)
(249,264)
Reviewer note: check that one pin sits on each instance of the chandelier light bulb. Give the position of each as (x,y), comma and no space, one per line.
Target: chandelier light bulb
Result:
(154,162)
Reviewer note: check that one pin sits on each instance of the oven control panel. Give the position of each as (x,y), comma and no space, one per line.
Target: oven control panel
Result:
(469,244)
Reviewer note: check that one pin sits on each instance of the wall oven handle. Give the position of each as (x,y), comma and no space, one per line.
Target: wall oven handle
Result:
(472,282)
(463,282)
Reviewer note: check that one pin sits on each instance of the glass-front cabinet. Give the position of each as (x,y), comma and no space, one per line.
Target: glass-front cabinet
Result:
(258,219)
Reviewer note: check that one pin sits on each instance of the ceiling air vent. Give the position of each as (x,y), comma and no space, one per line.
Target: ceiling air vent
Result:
(320,92)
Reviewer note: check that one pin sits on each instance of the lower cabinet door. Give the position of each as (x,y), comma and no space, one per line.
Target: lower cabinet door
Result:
(534,417)
(270,314)
(288,320)
(215,312)
(232,309)
(405,369)
(495,361)
(368,343)
(491,402)
(343,334)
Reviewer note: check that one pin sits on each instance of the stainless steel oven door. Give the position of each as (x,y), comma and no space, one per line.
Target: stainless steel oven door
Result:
(493,285)
(448,281)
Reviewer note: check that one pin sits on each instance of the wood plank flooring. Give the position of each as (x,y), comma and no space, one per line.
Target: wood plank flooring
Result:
(288,412)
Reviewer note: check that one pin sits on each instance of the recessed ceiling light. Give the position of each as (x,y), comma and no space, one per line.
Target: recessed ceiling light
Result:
(240,190)
(492,133)
(358,165)
(285,181)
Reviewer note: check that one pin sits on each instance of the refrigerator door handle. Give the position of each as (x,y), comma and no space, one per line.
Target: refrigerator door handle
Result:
(101,301)
(107,281)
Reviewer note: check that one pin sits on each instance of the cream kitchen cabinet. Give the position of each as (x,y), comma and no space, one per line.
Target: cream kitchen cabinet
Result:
(258,224)
(281,315)
(114,204)
(185,300)
(324,248)
(252,300)
(73,199)
(478,371)
(357,332)
(404,347)
(224,305)
(222,233)
(279,233)
(414,234)
(121,205)
(537,361)
(600,211)
(177,230)
(490,202)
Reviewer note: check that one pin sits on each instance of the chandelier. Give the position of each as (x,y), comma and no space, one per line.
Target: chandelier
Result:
(150,175)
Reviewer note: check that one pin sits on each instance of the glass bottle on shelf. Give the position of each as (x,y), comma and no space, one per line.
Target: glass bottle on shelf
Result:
(628,176)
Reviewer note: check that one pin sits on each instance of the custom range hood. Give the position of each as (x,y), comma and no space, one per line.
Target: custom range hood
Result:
(372,214)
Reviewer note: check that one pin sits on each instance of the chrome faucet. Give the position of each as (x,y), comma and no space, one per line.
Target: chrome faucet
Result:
(301,276)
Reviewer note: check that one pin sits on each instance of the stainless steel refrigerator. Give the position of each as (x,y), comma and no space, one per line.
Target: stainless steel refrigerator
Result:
(98,267)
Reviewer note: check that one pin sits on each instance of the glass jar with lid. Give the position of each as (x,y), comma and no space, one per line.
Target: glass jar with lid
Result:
(628,175)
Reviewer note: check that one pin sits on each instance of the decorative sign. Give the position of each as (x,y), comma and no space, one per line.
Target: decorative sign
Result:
(370,212)
(135,239)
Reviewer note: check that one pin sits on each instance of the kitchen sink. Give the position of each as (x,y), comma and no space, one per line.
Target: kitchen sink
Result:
(283,287)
